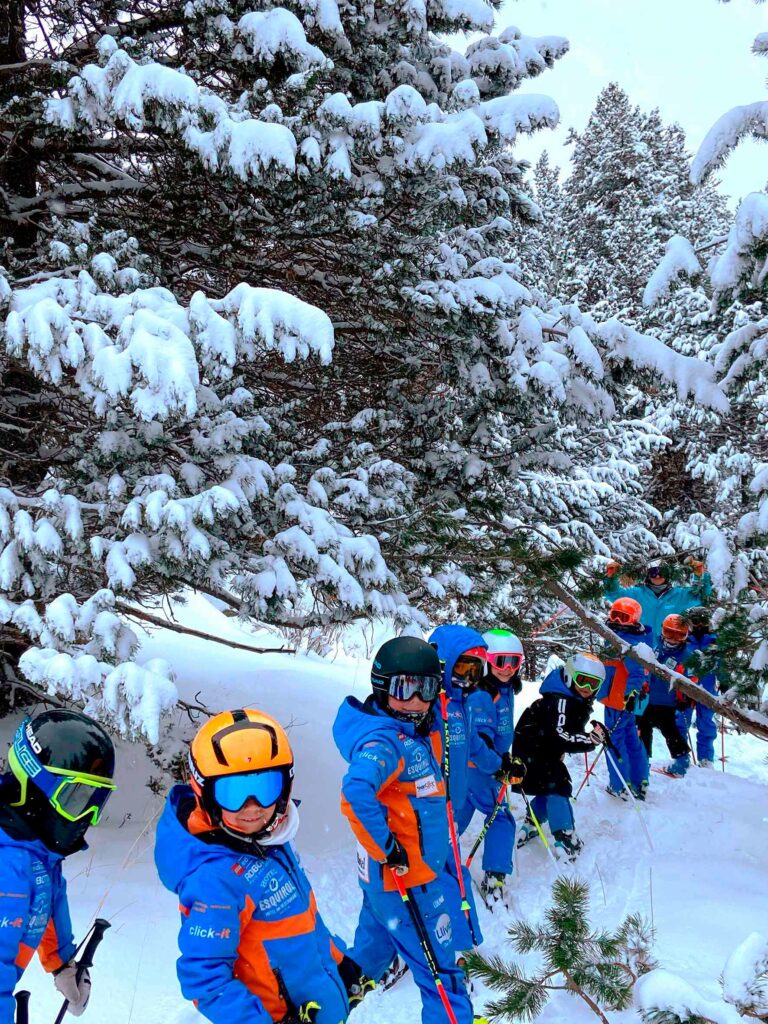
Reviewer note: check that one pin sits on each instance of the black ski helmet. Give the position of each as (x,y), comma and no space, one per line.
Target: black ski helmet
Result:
(74,745)
(405,655)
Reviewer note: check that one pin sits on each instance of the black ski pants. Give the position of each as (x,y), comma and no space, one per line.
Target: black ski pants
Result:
(663,718)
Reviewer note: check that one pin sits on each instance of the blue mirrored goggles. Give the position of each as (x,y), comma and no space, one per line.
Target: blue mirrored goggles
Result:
(404,686)
(268,787)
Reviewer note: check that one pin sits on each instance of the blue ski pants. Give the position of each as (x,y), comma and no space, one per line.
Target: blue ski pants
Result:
(555,809)
(386,927)
(706,730)
(499,840)
(633,757)
(466,933)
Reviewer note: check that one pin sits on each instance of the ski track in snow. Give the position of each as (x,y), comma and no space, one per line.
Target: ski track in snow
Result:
(707,871)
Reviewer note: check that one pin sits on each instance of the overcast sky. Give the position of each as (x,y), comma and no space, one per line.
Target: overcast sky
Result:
(690,58)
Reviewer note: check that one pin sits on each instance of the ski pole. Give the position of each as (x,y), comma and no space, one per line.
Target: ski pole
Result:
(535,820)
(22,1007)
(722,742)
(488,822)
(451,822)
(606,742)
(589,770)
(86,958)
(426,946)
(631,795)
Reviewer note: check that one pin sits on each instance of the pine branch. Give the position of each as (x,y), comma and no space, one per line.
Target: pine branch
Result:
(136,613)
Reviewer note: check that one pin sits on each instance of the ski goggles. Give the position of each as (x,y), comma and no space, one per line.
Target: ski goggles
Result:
(585,682)
(267,787)
(469,669)
(404,686)
(73,795)
(675,636)
(502,661)
(624,618)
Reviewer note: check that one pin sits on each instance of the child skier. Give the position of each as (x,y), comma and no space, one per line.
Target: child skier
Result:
(393,796)
(254,948)
(462,654)
(625,695)
(673,650)
(62,763)
(553,726)
(701,639)
(492,719)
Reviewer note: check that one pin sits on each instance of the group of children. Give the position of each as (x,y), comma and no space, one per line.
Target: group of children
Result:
(432,744)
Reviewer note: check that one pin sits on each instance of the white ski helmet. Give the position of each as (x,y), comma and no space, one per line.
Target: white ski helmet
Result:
(584,670)
(501,642)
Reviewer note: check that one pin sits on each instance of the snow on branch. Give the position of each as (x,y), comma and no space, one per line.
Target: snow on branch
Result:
(750,227)
(679,260)
(725,134)
(141,96)
(690,376)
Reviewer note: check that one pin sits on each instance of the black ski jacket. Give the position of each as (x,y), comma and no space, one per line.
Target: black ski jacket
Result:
(554,725)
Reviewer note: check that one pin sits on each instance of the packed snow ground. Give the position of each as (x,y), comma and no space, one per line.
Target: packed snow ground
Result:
(704,884)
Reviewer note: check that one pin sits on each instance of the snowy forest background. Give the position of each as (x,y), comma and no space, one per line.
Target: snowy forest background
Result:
(285,324)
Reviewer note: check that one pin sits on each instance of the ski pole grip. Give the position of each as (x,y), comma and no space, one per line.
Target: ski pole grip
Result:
(100,925)
(22,1007)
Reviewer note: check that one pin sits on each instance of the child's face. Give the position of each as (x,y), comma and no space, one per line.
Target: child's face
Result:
(251,817)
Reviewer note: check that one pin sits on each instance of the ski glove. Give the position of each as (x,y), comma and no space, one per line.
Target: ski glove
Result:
(75,992)
(397,858)
(512,770)
(599,733)
(612,568)
(696,567)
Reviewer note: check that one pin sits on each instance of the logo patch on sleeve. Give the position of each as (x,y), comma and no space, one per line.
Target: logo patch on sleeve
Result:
(426,786)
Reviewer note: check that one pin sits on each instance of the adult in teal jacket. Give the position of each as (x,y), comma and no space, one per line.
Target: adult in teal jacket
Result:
(62,764)
(657,595)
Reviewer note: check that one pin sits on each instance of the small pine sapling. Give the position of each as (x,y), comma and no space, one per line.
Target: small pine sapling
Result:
(597,966)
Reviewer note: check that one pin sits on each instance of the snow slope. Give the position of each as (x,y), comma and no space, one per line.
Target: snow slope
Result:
(703,884)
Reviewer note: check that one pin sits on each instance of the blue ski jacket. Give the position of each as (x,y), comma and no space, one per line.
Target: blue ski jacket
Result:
(709,679)
(674,658)
(34,914)
(466,745)
(656,608)
(626,687)
(253,945)
(393,789)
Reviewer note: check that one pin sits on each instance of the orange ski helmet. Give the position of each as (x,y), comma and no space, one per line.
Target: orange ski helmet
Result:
(675,630)
(625,611)
(238,755)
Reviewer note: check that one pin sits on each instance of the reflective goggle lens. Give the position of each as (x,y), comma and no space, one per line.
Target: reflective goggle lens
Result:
(591,683)
(405,686)
(469,670)
(623,617)
(502,661)
(75,799)
(232,791)
(675,636)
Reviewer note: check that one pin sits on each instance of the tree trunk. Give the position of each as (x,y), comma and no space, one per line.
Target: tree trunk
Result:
(18,167)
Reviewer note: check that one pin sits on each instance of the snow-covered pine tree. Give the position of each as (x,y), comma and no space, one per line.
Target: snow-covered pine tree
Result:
(725,321)
(627,194)
(382,418)
(594,965)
